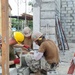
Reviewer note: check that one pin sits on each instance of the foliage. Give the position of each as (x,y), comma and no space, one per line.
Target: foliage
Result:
(19,24)
(30,4)
(16,23)
(30,24)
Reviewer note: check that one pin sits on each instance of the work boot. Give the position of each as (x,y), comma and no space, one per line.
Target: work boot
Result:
(37,73)
(43,72)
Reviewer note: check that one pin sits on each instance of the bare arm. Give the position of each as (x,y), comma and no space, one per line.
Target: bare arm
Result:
(18,46)
(10,62)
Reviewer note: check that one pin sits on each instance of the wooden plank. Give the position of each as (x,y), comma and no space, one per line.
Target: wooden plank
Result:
(5,37)
(63,35)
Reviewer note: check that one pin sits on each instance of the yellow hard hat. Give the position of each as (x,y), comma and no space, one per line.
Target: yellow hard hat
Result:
(36,36)
(19,37)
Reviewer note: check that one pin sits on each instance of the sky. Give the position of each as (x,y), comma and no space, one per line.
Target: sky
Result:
(18,7)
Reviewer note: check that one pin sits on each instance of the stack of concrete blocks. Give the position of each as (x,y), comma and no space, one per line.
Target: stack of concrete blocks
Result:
(48,11)
(23,71)
(12,71)
(68,19)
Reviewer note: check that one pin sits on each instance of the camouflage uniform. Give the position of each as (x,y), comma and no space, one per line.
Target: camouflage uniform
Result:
(11,55)
(36,65)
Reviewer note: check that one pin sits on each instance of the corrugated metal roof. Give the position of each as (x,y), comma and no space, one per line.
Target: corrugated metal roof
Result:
(28,16)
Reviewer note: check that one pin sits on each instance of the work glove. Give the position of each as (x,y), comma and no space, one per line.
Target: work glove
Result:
(17,61)
(26,46)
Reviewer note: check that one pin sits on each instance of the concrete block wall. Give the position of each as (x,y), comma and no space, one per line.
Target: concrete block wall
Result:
(48,12)
(57,8)
(67,17)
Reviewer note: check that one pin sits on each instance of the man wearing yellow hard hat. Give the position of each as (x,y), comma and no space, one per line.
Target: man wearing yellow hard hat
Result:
(17,37)
(27,43)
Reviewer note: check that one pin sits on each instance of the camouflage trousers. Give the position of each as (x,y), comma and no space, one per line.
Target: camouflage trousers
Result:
(36,65)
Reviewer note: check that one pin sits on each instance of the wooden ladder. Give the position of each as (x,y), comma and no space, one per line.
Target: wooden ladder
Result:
(60,35)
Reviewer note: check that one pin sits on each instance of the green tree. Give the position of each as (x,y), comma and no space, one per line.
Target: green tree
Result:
(16,23)
(30,24)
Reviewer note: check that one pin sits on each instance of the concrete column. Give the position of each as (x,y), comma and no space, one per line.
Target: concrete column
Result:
(36,22)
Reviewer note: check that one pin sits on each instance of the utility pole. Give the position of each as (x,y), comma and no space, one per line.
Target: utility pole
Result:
(25,13)
(18,14)
(5,37)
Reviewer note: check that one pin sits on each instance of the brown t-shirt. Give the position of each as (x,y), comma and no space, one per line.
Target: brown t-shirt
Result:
(50,50)
(28,41)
